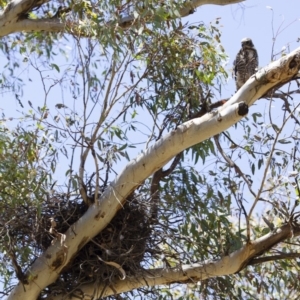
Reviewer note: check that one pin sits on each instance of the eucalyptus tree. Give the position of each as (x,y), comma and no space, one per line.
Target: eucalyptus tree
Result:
(124,172)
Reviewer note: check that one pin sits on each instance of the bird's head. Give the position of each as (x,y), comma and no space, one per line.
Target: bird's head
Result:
(247,43)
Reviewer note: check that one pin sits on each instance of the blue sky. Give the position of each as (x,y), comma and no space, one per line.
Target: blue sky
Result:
(253,19)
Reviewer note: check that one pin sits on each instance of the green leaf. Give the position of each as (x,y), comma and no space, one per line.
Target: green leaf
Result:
(55,67)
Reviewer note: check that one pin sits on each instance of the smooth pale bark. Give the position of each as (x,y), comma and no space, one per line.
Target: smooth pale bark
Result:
(11,22)
(227,265)
(275,74)
(46,268)
(47,25)
(187,9)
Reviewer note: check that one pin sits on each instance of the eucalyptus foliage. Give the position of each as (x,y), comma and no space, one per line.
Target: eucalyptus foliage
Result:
(107,89)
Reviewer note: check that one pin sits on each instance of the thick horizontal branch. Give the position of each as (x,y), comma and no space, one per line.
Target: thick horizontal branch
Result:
(227,265)
(13,17)
(28,25)
(188,8)
(17,9)
(46,269)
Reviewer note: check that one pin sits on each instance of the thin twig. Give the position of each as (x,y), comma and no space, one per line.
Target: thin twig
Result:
(265,175)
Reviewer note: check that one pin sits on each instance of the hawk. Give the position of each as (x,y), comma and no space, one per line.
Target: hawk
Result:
(246,63)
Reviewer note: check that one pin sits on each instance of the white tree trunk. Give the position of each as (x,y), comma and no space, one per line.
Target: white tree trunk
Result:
(47,268)
(192,273)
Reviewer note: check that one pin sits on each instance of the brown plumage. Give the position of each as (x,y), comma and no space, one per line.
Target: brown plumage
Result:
(246,63)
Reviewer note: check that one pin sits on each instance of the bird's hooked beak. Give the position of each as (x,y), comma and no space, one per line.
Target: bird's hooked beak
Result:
(247,44)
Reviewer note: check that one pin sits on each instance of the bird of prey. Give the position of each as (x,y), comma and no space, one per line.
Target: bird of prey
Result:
(246,63)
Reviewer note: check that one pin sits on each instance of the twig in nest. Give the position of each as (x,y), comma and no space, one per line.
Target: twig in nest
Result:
(114,264)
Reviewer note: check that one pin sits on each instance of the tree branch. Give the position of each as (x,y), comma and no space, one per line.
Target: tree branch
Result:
(28,25)
(227,265)
(16,9)
(12,17)
(157,177)
(46,269)
(260,260)
(187,9)
(232,164)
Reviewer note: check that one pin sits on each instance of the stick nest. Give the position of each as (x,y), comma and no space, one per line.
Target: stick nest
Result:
(115,252)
